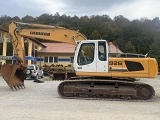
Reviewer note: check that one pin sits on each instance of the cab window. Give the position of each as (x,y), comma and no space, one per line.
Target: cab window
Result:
(86,54)
(102,51)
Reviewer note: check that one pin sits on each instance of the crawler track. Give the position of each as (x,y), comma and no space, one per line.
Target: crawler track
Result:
(96,88)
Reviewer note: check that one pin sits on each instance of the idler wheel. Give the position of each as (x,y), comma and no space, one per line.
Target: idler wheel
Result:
(144,92)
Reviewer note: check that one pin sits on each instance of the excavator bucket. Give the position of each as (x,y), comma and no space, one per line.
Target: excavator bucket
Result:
(13,75)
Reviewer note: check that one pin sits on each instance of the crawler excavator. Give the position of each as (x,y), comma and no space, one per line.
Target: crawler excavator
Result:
(98,75)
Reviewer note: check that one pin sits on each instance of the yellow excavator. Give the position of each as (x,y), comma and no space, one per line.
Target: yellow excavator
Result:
(98,75)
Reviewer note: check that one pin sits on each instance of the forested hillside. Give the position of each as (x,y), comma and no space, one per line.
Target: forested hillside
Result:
(136,36)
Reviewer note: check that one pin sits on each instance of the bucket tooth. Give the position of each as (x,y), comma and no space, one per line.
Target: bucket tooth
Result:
(18,86)
(11,88)
(23,85)
(15,87)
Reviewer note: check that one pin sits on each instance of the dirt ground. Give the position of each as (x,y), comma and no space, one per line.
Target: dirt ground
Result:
(40,101)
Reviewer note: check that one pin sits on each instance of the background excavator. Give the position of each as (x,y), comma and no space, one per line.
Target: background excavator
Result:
(98,75)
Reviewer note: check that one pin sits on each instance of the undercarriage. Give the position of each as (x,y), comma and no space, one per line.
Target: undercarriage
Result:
(105,88)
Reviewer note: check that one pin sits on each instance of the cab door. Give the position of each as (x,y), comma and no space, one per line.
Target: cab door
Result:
(84,60)
(102,56)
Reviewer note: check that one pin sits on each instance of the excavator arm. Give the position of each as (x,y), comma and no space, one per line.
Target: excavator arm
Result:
(14,74)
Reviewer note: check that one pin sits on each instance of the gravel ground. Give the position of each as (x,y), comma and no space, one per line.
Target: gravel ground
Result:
(40,101)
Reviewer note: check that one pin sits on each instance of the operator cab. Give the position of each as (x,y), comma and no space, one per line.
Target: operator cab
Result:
(91,56)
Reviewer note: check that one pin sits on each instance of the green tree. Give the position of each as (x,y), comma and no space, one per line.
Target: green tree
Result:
(84,26)
(129,47)
(4,21)
(28,19)
(121,21)
(120,43)
(16,18)
(155,49)
(45,19)
(95,35)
